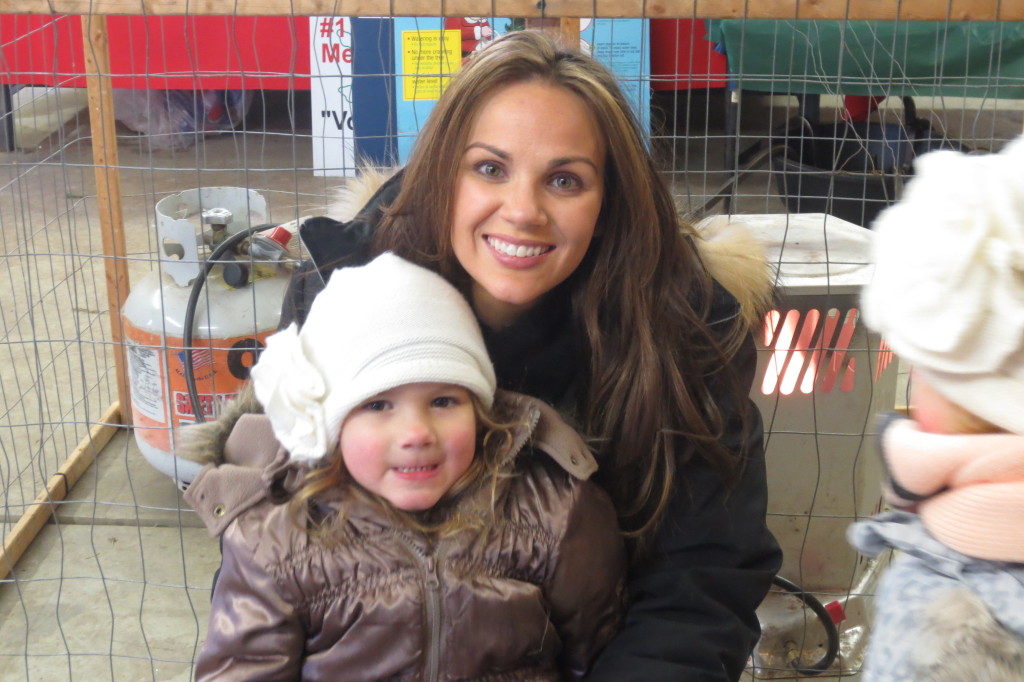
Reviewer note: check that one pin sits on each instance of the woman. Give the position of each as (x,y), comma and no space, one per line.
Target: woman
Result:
(531,189)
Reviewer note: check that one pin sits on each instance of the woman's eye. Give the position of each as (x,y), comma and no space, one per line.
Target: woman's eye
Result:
(565,182)
(444,401)
(489,169)
(376,405)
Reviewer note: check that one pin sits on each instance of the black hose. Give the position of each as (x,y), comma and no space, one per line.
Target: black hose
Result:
(190,311)
(831,631)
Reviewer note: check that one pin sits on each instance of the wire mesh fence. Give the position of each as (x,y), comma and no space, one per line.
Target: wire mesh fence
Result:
(757,119)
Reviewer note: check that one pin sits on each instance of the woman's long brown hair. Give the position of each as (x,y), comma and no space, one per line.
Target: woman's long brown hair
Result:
(641,296)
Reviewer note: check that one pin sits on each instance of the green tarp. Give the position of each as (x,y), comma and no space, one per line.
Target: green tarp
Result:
(959,59)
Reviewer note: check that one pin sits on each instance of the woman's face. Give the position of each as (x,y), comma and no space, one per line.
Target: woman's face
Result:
(527,196)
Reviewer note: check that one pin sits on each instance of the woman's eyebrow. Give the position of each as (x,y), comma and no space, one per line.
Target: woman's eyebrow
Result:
(574,159)
(493,150)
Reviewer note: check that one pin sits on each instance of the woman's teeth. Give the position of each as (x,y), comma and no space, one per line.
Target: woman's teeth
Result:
(407,470)
(516,251)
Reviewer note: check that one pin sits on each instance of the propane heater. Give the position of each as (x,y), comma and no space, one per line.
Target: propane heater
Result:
(822,378)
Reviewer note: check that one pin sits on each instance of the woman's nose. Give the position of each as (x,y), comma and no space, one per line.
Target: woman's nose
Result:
(523,204)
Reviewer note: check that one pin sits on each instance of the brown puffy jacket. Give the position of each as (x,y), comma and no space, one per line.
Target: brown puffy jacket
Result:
(533,596)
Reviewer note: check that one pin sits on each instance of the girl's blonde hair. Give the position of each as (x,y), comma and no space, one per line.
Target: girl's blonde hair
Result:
(489,467)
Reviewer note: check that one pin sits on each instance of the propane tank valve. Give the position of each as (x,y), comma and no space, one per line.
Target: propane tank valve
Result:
(217,219)
(265,249)
(269,245)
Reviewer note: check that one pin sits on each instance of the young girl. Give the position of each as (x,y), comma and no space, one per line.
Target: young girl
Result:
(948,296)
(378,524)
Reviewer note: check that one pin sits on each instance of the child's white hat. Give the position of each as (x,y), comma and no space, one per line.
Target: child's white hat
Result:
(948,288)
(371,329)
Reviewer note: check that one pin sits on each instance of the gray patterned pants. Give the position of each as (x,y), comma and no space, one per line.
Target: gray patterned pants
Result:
(931,606)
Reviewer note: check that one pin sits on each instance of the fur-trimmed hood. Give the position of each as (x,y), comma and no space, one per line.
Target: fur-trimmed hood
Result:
(204,443)
(243,461)
(225,441)
(533,421)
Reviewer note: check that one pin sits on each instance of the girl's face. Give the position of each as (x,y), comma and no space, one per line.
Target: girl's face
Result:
(935,413)
(527,196)
(410,444)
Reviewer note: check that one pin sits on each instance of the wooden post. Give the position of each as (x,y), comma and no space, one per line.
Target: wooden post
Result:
(569,30)
(108,187)
(57,489)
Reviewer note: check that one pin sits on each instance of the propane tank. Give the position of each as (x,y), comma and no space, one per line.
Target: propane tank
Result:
(238,308)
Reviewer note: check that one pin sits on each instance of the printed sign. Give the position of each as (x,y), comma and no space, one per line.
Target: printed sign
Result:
(428,58)
(330,89)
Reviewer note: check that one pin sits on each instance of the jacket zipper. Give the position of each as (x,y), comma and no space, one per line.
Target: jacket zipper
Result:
(432,600)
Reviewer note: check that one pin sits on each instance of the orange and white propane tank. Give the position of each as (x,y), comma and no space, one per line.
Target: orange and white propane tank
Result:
(230,325)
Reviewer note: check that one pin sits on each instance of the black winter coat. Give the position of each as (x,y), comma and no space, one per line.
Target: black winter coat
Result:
(693,596)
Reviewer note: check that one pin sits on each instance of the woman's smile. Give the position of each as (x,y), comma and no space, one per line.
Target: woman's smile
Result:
(529,192)
(516,253)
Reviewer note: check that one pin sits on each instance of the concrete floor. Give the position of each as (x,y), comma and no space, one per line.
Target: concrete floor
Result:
(117,585)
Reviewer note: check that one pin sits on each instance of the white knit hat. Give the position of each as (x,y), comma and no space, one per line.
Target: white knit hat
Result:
(371,329)
(948,287)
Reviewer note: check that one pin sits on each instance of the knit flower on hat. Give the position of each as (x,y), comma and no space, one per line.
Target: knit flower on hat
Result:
(292,390)
(948,288)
